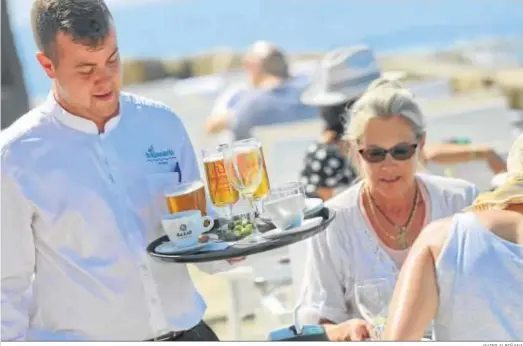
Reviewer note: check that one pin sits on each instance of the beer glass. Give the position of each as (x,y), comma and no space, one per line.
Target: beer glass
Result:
(264,187)
(243,166)
(185,197)
(220,189)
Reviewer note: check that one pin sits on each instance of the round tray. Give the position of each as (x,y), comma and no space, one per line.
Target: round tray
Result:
(242,249)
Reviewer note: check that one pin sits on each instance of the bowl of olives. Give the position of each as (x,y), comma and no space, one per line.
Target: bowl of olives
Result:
(237,228)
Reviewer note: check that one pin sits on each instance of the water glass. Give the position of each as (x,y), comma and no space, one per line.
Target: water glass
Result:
(285,205)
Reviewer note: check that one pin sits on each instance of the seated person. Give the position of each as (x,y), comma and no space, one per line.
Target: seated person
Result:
(465,272)
(327,169)
(381,216)
(274,96)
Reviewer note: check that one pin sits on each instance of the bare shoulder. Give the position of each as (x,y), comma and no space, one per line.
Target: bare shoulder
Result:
(503,223)
(434,236)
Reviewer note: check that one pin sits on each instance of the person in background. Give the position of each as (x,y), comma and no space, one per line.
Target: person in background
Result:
(455,268)
(274,97)
(453,153)
(379,218)
(343,76)
(76,207)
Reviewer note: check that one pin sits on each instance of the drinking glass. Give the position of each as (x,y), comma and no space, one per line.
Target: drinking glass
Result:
(220,189)
(263,188)
(243,166)
(285,205)
(372,298)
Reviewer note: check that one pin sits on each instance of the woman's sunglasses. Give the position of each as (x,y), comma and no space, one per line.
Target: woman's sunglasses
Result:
(399,152)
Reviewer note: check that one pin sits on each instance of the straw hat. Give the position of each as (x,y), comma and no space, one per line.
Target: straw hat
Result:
(509,191)
(344,74)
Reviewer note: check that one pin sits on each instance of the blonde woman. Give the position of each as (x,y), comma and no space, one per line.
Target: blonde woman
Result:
(466,272)
(380,217)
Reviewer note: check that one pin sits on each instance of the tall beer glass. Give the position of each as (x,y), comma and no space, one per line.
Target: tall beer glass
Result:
(263,189)
(220,189)
(243,166)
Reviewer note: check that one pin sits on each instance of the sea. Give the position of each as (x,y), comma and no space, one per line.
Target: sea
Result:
(174,28)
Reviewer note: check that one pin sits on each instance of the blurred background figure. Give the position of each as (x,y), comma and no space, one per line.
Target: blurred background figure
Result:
(272,97)
(15,101)
(453,269)
(342,77)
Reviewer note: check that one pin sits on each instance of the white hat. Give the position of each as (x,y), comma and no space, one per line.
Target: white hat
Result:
(344,74)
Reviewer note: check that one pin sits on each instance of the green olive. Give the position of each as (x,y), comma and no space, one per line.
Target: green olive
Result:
(245,222)
(237,234)
(238,228)
(237,222)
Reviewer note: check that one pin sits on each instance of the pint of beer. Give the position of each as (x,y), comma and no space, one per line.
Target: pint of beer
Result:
(190,196)
(264,187)
(221,192)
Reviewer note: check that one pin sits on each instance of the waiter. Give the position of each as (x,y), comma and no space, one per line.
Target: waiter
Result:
(76,207)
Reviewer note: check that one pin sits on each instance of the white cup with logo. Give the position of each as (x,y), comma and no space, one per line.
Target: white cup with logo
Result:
(184,228)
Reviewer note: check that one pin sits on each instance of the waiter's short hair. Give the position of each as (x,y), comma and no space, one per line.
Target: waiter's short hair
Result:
(86,21)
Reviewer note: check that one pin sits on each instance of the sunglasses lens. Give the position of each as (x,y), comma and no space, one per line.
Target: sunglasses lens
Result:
(402,152)
(374,155)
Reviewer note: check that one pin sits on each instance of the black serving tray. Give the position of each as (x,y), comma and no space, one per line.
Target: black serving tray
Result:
(242,249)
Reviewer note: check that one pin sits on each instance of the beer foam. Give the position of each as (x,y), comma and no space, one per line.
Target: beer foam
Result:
(213,158)
(185,188)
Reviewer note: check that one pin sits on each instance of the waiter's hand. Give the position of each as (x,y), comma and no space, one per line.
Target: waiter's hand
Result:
(236,260)
(351,330)
(204,238)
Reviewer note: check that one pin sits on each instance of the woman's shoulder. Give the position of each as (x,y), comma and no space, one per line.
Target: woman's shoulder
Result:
(455,193)
(449,184)
(347,201)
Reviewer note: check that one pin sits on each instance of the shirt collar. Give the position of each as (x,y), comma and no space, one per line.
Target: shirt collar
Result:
(74,121)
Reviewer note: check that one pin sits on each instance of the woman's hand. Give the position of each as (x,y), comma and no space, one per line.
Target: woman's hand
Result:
(351,330)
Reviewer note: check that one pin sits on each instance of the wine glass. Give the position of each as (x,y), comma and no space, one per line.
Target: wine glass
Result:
(372,298)
(263,189)
(220,190)
(243,166)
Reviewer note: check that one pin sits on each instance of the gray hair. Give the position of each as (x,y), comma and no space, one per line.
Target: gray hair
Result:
(86,21)
(384,98)
(271,59)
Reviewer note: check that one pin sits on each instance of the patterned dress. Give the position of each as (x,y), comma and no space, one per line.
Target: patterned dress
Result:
(325,166)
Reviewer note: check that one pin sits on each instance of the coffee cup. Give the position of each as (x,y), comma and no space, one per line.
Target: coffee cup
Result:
(184,228)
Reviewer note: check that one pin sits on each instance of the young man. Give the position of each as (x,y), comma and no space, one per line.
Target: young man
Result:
(76,211)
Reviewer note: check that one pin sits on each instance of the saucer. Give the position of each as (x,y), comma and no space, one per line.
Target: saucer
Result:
(313,205)
(305,226)
(170,248)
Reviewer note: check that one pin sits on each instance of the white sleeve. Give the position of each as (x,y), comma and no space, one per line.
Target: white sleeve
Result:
(324,284)
(18,260)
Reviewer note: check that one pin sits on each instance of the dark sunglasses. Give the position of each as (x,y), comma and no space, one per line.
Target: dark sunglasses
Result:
(399,152)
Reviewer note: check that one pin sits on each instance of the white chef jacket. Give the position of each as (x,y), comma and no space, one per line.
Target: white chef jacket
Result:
(76,219)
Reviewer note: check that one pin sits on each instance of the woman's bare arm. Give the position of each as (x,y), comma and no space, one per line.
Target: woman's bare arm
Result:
(449,153)
(415,300)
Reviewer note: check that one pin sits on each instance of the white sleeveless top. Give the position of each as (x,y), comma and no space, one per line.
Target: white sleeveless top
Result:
(348,251)
(480,279)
